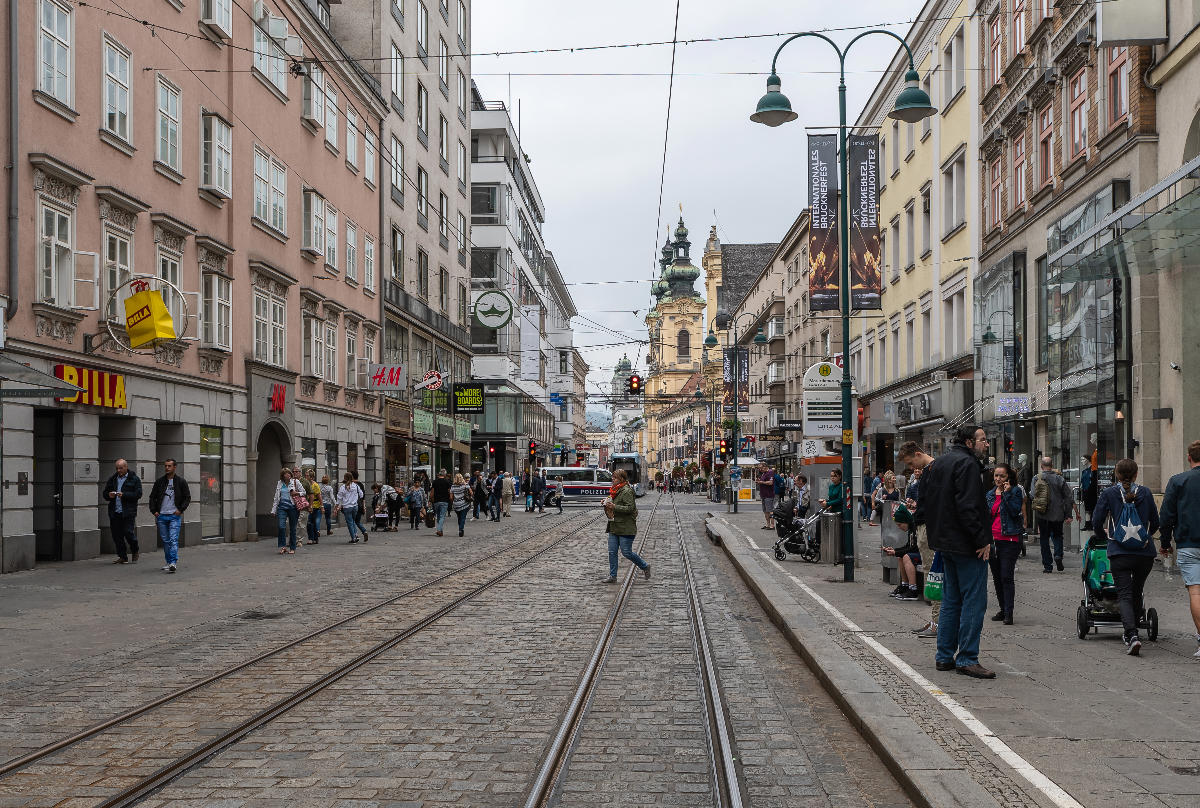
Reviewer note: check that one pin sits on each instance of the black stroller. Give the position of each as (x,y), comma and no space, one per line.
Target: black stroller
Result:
(796,536)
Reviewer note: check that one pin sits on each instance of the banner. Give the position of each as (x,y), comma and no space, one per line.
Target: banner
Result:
(743,385)
(823,256)
(866,279)
(468,398)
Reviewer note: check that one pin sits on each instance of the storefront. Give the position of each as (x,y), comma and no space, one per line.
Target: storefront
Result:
(397,423)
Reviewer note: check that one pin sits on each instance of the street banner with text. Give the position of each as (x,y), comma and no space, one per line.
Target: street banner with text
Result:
(866,279)
(823,257)
(743,377)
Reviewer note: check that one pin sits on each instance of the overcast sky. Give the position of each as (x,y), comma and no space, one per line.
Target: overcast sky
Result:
(596,141)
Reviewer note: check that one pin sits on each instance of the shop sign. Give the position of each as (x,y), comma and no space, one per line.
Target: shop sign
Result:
(423,422)
(100,388)
(462,431)
(468,398)
(493,309)
(432,380)
(277,401)
(385,377)
(822,413)
(1012,405)
(790,426)
(438,400)
(397,416)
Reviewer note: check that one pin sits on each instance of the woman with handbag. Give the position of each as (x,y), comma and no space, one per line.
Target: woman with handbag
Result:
(621,509)
(289,498)
(460,500)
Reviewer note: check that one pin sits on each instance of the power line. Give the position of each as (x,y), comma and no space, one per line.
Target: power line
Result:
(662,178)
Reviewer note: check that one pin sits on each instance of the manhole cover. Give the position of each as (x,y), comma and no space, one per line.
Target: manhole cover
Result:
(256,615)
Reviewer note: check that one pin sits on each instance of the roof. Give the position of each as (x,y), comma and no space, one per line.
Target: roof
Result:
(741,264)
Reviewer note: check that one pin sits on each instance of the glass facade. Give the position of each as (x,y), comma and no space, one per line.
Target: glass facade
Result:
(210,481)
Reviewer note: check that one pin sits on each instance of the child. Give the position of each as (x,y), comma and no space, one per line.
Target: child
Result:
(416,505)
(381,514)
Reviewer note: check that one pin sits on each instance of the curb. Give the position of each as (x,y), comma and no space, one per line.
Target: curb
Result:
(924,770)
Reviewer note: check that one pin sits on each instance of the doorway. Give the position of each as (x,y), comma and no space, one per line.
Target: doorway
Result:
(48,484)
(273,452)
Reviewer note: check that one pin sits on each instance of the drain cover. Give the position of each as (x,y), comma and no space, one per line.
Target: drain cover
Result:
(256,615)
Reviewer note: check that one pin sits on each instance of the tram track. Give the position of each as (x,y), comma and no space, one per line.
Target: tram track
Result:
(322,642)
(728,791)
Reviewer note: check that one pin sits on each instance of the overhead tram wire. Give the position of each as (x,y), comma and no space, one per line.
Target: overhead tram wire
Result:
(662,177)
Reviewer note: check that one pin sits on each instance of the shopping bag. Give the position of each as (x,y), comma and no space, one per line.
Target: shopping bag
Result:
(933,579)
(146,316)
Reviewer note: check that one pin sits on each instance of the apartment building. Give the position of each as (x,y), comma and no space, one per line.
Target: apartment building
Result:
(763,310)
(681,424)
(418,51)
(220,166)
(912,359)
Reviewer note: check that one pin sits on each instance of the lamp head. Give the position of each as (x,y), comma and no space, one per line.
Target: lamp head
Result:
(913,103)
(774,107)
(711,340)
(989,337)
(760,338)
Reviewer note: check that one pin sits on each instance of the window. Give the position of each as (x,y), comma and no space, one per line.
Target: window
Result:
(369,155)
(331,352)
(462,303)
(443,216)
(422,109)
(217,317)
(1046,146)
(397,74)
(168,270)
(462,163)
(895,146)
(397,262)
(216,158)
(683,345)
(895,239)
(314,222)
(397,164)
(351,136)
(444,141)
(954,74)
(118,267)
(926,218)
(926,335)
(909,134)
(1043,307)
(995,51)
(1118,85)
(56,266)
(462,21)
(351,251)
(351,357)
(270,322)
(1018,27)
(314,347)
(910,341)
(895,349)
(485,204)
(167,151)
(270,190)
(54,51)
(882,355)
(443,64)
(562,361)
(927,86)
(368,263)
(218,14)
(462,232)
(422,273)
(331,115)
(269,58)
(368,353)
(1045,8)
(910,226)
(331,236)
(995,194)
(444,289)
(314,95)
(116,89)
(462,92)
(422,192)
(954,194)
(422,26)
(1018,178)
(1077,95)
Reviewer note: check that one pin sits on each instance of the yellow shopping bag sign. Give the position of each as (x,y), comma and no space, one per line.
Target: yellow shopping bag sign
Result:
(146,316)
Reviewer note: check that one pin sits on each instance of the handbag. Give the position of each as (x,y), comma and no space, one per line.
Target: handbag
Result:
(298,497)
(429,518)
(934,578)
(146,316)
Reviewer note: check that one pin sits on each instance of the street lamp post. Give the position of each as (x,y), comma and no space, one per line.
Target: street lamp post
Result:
(728,324)
(912,105)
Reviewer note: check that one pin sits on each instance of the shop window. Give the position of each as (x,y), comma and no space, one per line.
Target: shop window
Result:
(211,465)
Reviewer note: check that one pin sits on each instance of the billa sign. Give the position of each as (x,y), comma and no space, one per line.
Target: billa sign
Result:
(866,279)
(823,255)
(468,398)
(100,388)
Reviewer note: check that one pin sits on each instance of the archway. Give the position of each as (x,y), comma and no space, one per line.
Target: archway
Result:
(1191,146)
(274,449)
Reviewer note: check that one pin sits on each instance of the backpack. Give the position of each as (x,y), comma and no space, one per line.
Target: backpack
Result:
(1127,529)
(1041,495)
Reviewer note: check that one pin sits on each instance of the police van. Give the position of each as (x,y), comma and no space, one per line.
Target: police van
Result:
(580,484)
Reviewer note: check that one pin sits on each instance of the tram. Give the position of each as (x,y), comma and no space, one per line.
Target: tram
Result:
(631,463)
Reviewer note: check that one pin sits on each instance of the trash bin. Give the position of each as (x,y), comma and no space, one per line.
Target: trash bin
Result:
(831,537)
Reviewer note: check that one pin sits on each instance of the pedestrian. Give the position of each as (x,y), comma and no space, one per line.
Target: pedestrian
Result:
(1130,545)
(558,492)
(285,507)
(507,492)
(526,483)
(169,498)
(911,455)
(1089,488)
(347,504)
(315,503)
(864,500)
(327,503)
(1052,505)
(415,500)
(460,498)
(441,498)
(391,499)
(479,494)
(362,502)
(803,496)
(621,508)
(539,492)
(123,490)
(953,509)
(1006,509)
(1180,517)
(766,493)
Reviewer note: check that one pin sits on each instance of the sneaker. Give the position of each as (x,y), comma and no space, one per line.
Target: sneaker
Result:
(646,572)
(136,556)
(1133,646)
(120,561)
(612,579)
(166,567)
(1058,563)
(171,568)
(909,593)
(1197,654)
(898,591)
(928,633)
(922,628)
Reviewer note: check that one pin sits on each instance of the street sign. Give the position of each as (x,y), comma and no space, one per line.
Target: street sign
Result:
(432,380)
(790,426)
(493,309)
(822,413)
(770,437)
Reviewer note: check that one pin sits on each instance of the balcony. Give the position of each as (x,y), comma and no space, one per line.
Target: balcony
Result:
(401,301)
(775,328)
(775,373)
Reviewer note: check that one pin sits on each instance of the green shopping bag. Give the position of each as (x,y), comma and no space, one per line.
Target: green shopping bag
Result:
(933,579)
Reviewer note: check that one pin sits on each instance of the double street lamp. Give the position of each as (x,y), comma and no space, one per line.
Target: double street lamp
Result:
(912,105)
(728,324)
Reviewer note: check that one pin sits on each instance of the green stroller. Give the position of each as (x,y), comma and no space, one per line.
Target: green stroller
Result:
(1098,609)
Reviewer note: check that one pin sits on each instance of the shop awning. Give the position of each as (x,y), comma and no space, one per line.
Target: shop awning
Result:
(920,424)
(31,383)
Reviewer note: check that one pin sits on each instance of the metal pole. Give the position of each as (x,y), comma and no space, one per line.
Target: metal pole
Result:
(844,253)
(737,401)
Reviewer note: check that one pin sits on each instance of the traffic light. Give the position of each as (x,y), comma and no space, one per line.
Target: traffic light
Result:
(1008,446)
(634,385)
(724,447)
(532,449)
(491,450)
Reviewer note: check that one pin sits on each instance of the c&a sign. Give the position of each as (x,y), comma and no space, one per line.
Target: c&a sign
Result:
(100,388)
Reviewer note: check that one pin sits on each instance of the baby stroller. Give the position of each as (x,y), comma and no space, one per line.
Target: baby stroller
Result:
(796,536)
(1098,609)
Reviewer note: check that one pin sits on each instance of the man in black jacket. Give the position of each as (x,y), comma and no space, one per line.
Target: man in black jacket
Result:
(539,493)
(169,498)
(953,509)
(122,492)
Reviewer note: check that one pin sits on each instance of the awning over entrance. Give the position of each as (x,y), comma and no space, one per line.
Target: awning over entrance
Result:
(31,383)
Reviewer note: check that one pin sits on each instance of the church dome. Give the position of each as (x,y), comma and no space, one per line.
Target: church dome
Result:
(624,364)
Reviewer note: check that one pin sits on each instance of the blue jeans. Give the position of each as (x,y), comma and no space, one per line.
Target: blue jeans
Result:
(964,601)
(625,544)
(328,518)
(351,514)
(314,526)
(168,534)
(494,507)
(440,509)
(1050,532)
(285,517)
(462,519)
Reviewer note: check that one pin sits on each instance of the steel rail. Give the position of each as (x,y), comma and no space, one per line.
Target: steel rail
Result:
(29,758)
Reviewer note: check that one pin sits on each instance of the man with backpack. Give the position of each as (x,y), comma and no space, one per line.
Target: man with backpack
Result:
(1052,506)
(1180,515)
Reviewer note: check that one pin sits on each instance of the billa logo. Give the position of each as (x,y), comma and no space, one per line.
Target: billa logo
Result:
(138,316)
(278,398)
(100,389)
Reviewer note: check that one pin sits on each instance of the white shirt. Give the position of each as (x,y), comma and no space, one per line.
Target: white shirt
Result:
(168,500)
(347,496)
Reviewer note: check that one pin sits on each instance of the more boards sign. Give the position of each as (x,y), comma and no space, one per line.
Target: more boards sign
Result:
(468,398)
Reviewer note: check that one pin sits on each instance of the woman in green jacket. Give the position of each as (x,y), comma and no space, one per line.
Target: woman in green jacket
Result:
(621,508)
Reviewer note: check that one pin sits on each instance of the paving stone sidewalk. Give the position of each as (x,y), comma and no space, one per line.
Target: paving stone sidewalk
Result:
(1111,730)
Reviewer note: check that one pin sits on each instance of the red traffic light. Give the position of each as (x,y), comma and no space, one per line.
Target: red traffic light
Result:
(491,450)
(635,384)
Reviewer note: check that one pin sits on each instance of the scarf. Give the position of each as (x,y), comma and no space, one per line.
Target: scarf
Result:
(612,492)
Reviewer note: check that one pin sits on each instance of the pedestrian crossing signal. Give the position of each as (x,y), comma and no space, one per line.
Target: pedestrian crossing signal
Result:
(634,385)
